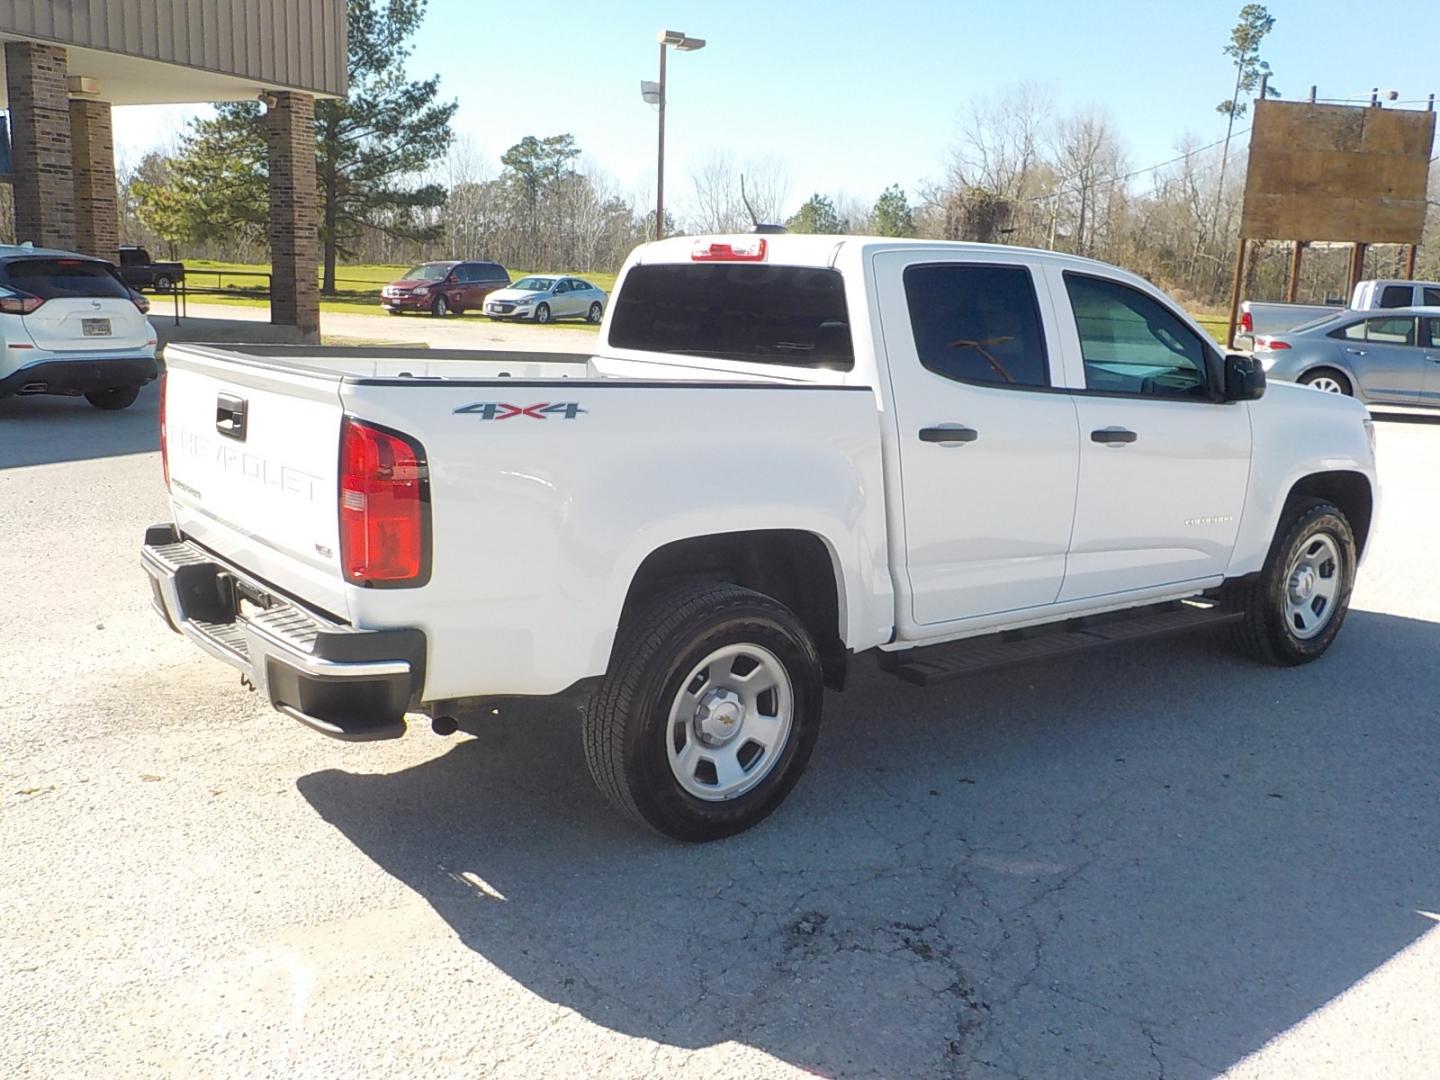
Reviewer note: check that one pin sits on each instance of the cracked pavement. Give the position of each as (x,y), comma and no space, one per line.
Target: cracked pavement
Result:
(1158,860)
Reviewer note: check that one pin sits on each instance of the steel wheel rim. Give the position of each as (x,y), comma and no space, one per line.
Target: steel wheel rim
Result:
(1326,385)
(726,731)
(1312,586)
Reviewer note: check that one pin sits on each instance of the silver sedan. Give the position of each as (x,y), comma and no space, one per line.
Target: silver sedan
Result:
(546,297)
(1382,358)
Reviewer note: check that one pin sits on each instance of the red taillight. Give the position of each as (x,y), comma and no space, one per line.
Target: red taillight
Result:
(1247,324)
(164,446)
(20,303)
(1273,344)
(751,250)
(141,303)
(384,507)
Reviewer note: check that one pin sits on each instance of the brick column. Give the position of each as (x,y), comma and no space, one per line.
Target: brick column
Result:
(40,134)
(294,231)
(97,211)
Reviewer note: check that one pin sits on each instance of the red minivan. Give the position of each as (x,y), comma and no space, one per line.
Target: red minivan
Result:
(444,287)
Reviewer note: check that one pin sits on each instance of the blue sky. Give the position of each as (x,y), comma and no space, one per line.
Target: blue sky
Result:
(852,96)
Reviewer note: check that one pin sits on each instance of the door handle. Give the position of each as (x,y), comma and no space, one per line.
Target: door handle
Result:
(1113,436)
(948,434)
(1356,352)
(230,416)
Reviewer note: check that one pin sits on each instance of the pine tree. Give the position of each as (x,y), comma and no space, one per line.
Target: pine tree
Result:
(892,215)
(817,215)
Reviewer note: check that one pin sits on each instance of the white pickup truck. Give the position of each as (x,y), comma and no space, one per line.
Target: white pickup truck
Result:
(785,451)
(1262,318)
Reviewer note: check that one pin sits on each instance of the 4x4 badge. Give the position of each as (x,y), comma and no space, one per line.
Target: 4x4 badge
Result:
(500,410)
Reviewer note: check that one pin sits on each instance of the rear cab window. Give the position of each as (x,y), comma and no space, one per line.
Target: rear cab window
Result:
(58,278)
(766,314)
(1395,296)
(977,323)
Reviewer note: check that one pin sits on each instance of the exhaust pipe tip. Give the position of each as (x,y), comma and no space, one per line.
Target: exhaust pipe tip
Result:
(444,725)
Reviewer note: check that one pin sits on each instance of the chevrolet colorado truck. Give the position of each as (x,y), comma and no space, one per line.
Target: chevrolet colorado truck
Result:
(784,452)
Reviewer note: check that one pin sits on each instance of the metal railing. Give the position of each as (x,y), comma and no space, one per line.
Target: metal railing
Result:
(181,290)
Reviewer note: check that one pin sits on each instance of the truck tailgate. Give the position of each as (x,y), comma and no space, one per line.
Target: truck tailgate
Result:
(253,454)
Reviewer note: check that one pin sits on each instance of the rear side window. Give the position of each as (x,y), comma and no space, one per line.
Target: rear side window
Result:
(1432,298)
(1132,344)
(1395,331)
(792,315)
(55,279)
(492,272)
(1395,296)
(977,324)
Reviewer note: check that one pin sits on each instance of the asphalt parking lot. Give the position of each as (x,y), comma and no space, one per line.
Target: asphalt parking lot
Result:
(1155,861)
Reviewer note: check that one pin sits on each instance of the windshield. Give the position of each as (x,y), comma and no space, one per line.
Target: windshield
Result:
(429,272)
(534,284)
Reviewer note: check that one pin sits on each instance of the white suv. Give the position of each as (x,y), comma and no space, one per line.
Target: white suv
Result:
(69,325)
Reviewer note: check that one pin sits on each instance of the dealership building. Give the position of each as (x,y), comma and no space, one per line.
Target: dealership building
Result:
(67,63)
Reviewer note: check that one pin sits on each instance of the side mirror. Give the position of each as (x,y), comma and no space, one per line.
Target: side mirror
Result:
(1244,378)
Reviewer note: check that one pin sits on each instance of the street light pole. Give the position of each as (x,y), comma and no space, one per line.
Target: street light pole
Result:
(660,155)
(655,94)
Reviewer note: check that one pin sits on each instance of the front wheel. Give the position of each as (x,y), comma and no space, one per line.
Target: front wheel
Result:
(709,712)
(542,313)
(1294,608)
(163,283)
(117,397)
(593,316)
(440,308)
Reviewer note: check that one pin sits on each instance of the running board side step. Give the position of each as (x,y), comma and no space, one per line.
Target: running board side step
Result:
(937,663)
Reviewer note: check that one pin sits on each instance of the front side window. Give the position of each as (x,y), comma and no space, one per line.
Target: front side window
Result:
(1395,296)
(1393,331)
(1132,344)
(1432,297)
(977,324)
(1433,326)
(757,313)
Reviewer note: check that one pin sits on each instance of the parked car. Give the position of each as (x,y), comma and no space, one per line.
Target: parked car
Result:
(785,451)
(444,288)
(1258,319)
(139,271)
(547,297)
(69,325)
(1389,359)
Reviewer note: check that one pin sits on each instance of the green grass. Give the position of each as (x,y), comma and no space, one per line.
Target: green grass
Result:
(357,286)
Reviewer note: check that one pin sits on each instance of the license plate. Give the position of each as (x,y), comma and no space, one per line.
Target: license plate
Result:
(95,327)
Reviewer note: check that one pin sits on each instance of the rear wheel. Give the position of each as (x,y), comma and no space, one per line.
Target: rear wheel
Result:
(1294,608)
(595,312)
(1329,380)
(542,313)
(440,308)
(117,397)
(163,283)
(709,712)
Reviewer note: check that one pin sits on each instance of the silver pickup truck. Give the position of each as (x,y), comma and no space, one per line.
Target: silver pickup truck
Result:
(1258,318)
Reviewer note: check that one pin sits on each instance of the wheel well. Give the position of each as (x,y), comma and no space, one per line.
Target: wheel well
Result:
(791,566)
(1332,369)
(1350,491)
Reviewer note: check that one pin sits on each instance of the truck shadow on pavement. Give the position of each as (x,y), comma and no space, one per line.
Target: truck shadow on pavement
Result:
(42,430)
(1154,859)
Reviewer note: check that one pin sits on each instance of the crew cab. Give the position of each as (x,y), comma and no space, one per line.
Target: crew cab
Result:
(785,451)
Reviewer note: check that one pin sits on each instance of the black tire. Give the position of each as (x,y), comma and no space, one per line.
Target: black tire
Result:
(1340,378)
(163,283)
(394,311)
(1265,634)
(542,313)
(440,307)
(595,313)
(627,719)
(113,399)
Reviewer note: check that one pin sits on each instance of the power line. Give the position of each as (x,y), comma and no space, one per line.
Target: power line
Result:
(1137,172)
